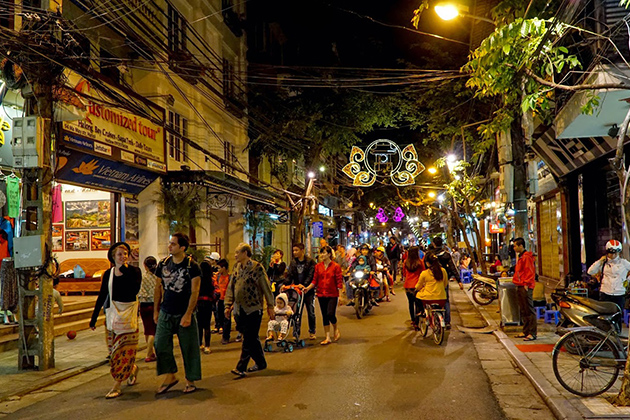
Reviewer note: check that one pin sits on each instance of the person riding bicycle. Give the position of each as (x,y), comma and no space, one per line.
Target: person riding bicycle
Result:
(613,272)
(431,284)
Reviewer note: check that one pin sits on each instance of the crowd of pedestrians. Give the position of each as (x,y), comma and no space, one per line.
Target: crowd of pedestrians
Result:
(180,296)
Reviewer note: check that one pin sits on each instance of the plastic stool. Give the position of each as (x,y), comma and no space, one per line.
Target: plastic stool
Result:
(465,276)
(552,316)
(540,312)
(626,317)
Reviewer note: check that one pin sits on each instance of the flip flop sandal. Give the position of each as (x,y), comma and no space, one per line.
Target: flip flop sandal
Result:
(337,336)
(164,388)
(114,393)
(325,342)
(520,336)
(189,389)
(133,378)
(532,338)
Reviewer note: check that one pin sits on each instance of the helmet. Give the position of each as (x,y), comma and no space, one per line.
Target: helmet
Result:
(613,245)
(364,246)
(380,248)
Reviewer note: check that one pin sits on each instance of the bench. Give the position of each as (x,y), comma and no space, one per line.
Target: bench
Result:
(94,269)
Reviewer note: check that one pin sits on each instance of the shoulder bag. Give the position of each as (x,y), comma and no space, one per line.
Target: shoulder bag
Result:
(121,317)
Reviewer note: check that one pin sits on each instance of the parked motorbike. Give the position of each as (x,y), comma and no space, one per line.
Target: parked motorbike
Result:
(483,293)
(361,289)
(580,311)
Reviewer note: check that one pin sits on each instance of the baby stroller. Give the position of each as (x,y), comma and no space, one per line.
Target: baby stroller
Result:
(295,295)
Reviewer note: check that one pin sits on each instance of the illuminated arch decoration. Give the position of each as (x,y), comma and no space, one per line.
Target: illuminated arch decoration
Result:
(383,158)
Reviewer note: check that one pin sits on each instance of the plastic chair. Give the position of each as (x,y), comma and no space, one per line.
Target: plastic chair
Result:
(552,317)
(540,312)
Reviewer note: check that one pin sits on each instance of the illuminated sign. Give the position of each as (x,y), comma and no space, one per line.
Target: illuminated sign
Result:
(116,133)
(325,211)
(497,228)
(383,158)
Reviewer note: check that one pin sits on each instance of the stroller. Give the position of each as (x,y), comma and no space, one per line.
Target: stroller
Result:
(295,295)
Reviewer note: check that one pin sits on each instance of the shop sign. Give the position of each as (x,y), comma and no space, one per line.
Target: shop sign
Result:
(497,228)
(81,169)
(325,211)
(318,229)
(116,134)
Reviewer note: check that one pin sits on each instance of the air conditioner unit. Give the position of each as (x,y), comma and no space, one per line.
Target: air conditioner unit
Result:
(27,142)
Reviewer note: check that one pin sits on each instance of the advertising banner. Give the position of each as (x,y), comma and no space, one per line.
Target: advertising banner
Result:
(79,168)
(116,133)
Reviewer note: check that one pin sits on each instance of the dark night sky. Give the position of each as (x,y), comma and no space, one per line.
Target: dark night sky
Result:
(314,26)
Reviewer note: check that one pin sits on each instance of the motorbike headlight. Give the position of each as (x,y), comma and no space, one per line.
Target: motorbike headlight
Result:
(359,274)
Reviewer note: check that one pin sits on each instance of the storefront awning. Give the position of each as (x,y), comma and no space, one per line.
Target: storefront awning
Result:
(79,168)
(219,181)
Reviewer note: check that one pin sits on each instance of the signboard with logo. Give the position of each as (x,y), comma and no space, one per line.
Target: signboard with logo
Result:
(116,134)
(318,229)
(325,211)
(497,228)
(76,167)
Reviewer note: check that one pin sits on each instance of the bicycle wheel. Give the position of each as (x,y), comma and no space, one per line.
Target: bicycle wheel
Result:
(438,329)
(483,294)
(423,325)
(584,362)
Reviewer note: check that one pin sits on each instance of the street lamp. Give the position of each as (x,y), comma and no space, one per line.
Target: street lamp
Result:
(449,11)
(322,168)
(432,170)
(311,175)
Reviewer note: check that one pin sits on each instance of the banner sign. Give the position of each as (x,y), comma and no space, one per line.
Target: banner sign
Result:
(76,167)
(318,229)
(116,133)
(497,228)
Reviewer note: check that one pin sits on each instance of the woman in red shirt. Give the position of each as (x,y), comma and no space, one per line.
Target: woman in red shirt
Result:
(328,280)
(412,268)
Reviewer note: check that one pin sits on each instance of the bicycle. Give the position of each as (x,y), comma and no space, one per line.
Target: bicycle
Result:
(587,360)
(434,317)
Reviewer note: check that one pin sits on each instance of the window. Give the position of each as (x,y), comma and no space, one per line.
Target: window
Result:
(109,66)
(177,145)
(230,158)
(228,78)
(176,30)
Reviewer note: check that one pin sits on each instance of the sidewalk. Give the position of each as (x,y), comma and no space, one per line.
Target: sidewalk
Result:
(72,357)
(534,359)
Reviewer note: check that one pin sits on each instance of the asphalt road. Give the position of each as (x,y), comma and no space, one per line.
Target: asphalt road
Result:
(380,369)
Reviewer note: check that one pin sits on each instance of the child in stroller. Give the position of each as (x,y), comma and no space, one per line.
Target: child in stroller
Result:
(280,325)
(291,299)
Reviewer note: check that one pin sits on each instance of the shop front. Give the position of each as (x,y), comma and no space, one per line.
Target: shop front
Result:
(104,161)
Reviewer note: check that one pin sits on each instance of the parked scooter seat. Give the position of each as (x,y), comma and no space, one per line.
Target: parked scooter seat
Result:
(604,308)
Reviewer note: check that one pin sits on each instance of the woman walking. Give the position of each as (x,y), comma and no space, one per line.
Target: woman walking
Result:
(119,288)
(412,268)
(328,280)
(146,306)
(206,304)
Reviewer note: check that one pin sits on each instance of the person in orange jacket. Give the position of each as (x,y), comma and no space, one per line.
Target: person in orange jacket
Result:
(525,280)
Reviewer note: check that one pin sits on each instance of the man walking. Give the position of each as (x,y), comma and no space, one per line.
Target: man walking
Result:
(525,280)
(393,254)
(301,271)
(446,261)
(246,292)
(175,299)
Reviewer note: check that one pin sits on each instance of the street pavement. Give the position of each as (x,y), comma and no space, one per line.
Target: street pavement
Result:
(380,369)
(534,360)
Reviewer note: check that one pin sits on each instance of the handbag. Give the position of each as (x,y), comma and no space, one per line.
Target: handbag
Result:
(121,317)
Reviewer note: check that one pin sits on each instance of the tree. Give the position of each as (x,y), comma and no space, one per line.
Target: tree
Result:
(258,223)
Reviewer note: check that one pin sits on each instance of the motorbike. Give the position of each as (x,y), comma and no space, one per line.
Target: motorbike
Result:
(483,293)
(580,311)
(361,289)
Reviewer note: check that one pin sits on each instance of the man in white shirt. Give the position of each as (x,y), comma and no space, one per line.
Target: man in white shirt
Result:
(612,271)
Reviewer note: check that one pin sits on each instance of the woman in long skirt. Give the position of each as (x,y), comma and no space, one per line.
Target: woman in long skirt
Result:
(126,281)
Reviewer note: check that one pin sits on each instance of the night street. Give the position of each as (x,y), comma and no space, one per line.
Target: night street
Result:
(378,370)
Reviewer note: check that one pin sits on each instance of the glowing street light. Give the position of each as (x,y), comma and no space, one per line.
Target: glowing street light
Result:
(311,175)
(322,168)
(432,170)
(446,11)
